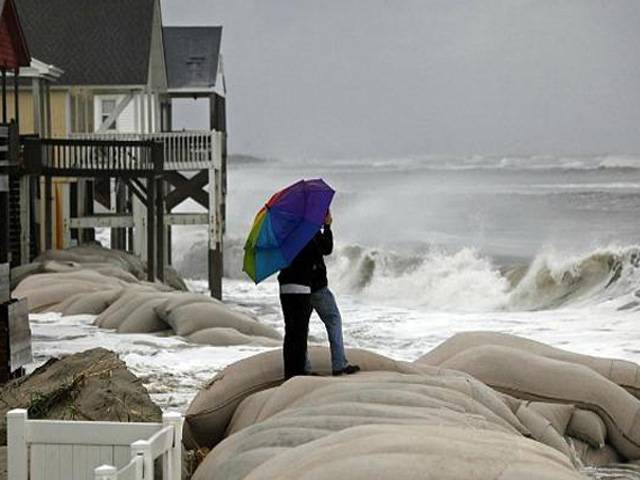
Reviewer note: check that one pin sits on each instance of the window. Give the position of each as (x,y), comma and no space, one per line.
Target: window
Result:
(108,107)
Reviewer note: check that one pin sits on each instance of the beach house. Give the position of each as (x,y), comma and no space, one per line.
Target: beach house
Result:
(117,70)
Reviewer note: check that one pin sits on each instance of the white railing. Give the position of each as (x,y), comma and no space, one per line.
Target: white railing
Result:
(69,450)
(187,150)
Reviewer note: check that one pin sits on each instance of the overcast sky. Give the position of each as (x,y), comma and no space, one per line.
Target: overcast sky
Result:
(358,78)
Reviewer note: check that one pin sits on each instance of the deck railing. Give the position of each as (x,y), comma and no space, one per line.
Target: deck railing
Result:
(70,450)
(92,157)
(187,150)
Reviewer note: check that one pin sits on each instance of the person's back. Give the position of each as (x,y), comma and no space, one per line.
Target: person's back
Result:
(295,299)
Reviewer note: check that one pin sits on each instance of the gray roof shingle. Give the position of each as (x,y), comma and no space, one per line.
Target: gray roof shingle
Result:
(95,42)
(191,56)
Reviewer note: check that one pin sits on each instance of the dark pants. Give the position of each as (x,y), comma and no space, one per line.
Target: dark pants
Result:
(296,308)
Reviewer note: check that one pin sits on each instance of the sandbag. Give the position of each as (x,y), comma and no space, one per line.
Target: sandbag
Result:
(114,315)
(42,298)
(143,319)
(557,413)
(542,429)
(587,426)
(180,299)
(212,408)
(115,272)
(622,372)
(89,303)
(193,317)
(594,457)
(400,426)
(223,337)
(529,376)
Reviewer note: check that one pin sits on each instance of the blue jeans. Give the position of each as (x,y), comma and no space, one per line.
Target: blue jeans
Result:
(324,303)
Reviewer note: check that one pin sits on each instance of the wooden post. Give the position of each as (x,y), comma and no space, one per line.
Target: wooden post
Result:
(37,104)
(48,217)
(217,123)
(25,219)
(151,228)
(118,235)
(215,247)
(160,238)
(46,107)
(16,102)
(5,290)
(17,453)
(4,95)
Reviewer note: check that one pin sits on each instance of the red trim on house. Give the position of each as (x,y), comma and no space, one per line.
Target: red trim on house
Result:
(14,52)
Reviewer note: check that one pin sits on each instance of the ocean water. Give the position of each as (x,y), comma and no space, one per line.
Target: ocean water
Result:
(543,247)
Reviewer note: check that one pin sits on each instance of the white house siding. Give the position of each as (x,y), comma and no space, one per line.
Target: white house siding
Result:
(129,120)
(125,123)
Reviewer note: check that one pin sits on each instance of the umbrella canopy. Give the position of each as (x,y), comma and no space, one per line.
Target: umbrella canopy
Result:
(282,228)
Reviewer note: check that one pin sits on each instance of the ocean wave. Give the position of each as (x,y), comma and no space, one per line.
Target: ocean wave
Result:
(474,162)
(468,281)
(464,280)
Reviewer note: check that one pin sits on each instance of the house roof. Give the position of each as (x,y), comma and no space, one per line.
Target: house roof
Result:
(101,42)
(192,56)
(20,56)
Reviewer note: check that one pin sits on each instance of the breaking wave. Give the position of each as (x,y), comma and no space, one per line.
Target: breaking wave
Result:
(468,281)
(465,280)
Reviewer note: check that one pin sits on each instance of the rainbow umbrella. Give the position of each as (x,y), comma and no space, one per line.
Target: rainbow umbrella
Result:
(281,229)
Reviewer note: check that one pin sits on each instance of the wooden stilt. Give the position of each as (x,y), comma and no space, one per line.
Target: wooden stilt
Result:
(48,214)
(160,239)
(151,229)
(16,100)
(5,114)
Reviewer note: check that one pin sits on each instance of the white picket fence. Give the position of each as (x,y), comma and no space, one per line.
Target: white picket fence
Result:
(70,450)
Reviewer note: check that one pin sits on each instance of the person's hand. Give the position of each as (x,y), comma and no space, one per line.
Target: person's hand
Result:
(328,219)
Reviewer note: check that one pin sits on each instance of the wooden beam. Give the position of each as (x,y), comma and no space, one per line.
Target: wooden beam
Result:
(102,221)
(187,188)
(135,189)
(186,219)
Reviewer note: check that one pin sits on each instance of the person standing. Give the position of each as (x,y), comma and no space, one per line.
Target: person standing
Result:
(295,299)
(323,301)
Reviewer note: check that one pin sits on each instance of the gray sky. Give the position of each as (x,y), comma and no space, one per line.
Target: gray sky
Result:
(358,78)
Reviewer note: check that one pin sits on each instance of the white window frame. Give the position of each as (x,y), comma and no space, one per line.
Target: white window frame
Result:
(103,116)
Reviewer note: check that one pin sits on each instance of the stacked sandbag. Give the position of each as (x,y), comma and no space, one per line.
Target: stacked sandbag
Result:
(622,372)
(134,312)
(89,303)
(45,291)
(525,375)
(209,415)
(116,263)
(379,425)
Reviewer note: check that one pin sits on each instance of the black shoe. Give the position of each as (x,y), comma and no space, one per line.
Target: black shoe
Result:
(348,370)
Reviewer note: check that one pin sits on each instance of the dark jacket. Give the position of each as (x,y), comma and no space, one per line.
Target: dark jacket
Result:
(323,242)
(308,267)
(299,270)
